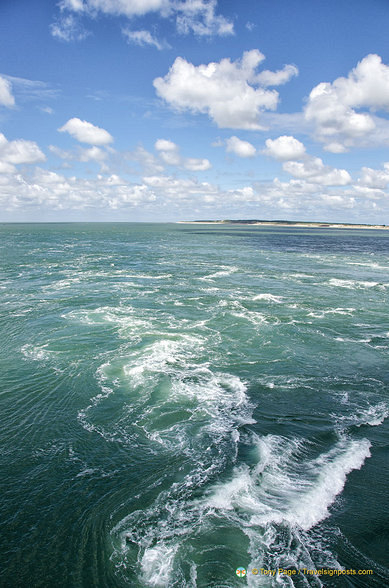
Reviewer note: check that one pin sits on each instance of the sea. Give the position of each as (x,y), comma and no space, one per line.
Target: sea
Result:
(187,405)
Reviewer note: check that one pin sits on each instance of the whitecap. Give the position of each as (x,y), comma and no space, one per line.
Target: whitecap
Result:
(269,298)
(157,565)
(355,284)
(282,489)
(323,313)
(373,415)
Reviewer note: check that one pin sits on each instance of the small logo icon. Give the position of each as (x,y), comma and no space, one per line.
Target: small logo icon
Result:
(241,572)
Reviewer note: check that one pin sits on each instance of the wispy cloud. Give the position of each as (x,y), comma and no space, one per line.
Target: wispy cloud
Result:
(199,17)
(144,38)
(26,90)
(6,97)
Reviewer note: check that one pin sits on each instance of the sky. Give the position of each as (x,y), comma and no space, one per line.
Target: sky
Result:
(168,110)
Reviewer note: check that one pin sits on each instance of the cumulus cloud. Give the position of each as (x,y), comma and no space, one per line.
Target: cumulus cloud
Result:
(299,198)
(93,154)
(144,38)
(169,152)
(305,200)
(86,132)
(231,93)
(50,190)
(314,170)
(284,148)
(374,178)
(333,107)
(239,147)
(6,96)
(277,78)
(288,149)
(18,152)
(195,164)
(165,145)
(181,188)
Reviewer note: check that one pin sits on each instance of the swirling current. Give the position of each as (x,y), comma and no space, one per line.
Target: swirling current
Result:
(180,401)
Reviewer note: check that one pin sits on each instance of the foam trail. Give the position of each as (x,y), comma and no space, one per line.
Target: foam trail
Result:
(269,298)
(282,499)
(196,413)
(373,415)
(281,489)
(157,564)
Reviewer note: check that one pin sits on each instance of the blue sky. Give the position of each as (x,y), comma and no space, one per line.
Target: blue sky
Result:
(165,110)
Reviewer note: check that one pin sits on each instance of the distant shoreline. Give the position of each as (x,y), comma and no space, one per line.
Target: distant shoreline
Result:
(280,223)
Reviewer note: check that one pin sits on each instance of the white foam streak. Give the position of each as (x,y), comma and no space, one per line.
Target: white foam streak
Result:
(156,565)
(283,490)
(323,313)
(313,506)
(36,352)
(374,416)
(269,298)
(224,271)
(355,284)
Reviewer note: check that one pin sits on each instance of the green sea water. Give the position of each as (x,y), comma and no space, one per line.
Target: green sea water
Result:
(178,401)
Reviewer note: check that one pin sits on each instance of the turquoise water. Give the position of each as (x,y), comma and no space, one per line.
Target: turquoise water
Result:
(178,401)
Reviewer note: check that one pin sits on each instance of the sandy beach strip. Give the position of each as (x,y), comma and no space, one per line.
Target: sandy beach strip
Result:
(308,225)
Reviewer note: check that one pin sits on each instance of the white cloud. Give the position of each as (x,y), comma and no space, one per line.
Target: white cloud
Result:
(6,96)
(370,193)
(332,107)
(18,152)
(6,168)
(194,164)
(284,148)
(288,149)
(86,132)
(76,5)
(314,170)
(51,190)
(80,154)
(116,7)
(197,16)
(229,92)
(374,178)
(165,145)
(144,38)
(27,90)
(148,163)
(92,154)
(169,152)
(67,28)
(62,153)
(239,147)
(182,188)
(172,197)
(47,109)
(277,78)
